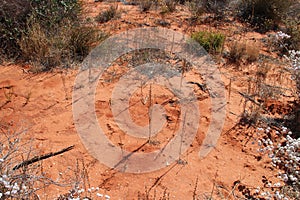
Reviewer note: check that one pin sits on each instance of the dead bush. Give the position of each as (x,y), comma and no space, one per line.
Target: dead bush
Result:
(252,52)
(237,51)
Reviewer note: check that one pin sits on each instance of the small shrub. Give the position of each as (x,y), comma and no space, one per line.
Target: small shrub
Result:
(108,14)
(278,42)
(35,47)
(81,41)
(212,42)
(263,14)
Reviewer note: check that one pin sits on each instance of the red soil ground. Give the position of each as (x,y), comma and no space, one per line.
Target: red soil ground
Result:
(42,103)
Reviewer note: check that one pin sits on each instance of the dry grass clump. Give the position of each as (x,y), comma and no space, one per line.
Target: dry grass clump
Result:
(107,15)
(196,9)
(239,51)
(60,48)
(252,52)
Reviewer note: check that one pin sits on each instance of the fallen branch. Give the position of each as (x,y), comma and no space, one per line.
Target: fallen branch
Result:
(42,157)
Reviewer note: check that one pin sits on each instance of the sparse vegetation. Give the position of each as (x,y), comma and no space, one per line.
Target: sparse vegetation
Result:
(23,183)
(23,178)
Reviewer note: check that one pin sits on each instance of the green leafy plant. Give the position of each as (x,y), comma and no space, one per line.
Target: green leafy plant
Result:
(212,42)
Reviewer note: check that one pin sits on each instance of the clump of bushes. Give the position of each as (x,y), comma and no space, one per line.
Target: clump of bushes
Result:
(213,42)
(263,14)
(45,33)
